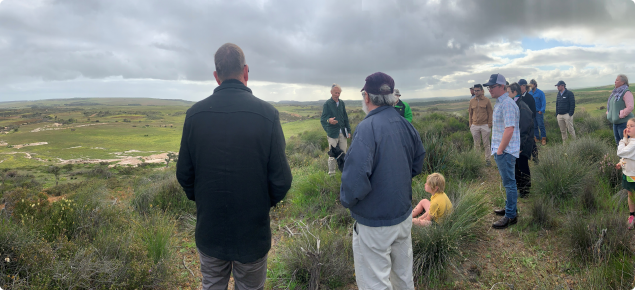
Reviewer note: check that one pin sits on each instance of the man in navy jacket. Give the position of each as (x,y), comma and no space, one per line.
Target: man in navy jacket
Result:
(385,154)
(232,163)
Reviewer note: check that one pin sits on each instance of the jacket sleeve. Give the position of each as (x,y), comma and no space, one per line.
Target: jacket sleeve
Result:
(626,150)
(469,114)
(347,124)
(628,100)
(185,171)
(407,112)
(420,154)
(490,113)
(571,104)
(356,174)
(278,172)
(324,118)
(543,102)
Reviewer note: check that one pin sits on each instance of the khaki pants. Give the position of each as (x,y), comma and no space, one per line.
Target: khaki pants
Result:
(339,141)
(565,122)
(246,276)
(383,256)
(481,133)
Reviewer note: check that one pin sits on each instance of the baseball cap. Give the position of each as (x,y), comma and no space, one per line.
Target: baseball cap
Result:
(375,81)
(397,93)
(522,82)
(495,79)
(561,83)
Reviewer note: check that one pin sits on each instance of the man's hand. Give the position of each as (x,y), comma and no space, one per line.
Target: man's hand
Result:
(499,152)
(349,136)
(332,121)
(540,112)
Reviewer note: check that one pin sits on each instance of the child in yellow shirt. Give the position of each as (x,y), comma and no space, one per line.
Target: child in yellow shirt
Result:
(437,207)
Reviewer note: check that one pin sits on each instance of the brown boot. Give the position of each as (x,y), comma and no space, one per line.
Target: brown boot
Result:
(544,140)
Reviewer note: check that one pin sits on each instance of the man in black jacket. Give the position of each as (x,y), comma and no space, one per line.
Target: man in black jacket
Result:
(528,99)
(565,107)
(232,163)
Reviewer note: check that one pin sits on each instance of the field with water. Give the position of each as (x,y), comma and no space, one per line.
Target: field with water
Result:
(88,202)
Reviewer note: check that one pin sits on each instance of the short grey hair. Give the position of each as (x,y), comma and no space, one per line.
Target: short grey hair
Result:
(230,61)
(387,99)
(624,78)
(335,86)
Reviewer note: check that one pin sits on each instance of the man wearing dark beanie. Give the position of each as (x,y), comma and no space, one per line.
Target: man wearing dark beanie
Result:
(385,154)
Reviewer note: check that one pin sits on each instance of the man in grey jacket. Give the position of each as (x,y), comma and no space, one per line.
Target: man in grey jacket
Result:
(385,154)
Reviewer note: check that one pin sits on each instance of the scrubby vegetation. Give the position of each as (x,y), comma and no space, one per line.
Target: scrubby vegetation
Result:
(132,227)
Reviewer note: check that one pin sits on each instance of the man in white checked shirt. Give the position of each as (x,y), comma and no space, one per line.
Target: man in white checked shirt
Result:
(505,146)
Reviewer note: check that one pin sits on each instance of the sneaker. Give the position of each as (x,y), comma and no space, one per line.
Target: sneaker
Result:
(631,220)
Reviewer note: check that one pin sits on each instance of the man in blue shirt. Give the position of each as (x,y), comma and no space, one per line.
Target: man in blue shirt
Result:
(505,146)
(541,103)
(385,154)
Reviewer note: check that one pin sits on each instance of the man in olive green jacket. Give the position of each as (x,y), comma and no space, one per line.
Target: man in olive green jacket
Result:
(335,122)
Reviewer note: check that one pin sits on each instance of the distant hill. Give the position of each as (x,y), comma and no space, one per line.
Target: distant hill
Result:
(88,102)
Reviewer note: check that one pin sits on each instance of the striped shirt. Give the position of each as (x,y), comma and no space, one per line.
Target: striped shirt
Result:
(506,114)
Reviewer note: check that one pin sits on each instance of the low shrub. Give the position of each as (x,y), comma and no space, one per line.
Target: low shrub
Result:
(311,143)
(316,196)
(316,256)
(617,273)
(438,153)
(163,192)
(589,149)
(438,245)
(599,238)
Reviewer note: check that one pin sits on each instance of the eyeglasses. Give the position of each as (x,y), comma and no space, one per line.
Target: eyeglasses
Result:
(492,87)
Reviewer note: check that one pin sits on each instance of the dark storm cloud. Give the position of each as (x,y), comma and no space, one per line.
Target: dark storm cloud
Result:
(286,41)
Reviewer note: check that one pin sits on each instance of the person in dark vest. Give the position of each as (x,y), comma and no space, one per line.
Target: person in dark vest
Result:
(402,107)
(334,120)
(619,107)
(232,163)
(565,108)
(527,143)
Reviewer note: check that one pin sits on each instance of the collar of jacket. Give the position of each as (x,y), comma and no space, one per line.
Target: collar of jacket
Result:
(333,101)
(376,111)
(482,97)
(232,84)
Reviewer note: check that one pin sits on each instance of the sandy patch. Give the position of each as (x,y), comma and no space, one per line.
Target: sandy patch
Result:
(74,147)
(121,160)
(30,144)
(60,127)
(2,143)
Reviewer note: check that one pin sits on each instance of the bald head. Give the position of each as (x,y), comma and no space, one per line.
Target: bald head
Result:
(230,62)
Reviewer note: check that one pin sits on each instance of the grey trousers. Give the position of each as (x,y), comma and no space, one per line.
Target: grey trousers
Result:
(383,256)
(216,273)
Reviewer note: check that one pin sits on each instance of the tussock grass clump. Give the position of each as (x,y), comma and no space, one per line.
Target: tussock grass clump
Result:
(438,245)
(616,273)
(162,191)
(589,149)
(597,239)
(559,174)
(316,256)
(467,165)
(438,153)
(543,212)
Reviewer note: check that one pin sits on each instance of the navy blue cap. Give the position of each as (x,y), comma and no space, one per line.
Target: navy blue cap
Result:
(561,83)
(495,79)
(522,82)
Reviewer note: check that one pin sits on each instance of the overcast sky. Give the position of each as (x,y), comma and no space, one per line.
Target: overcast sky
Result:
(296,49)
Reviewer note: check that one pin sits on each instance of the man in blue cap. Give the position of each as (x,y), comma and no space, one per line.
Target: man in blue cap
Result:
(505,146)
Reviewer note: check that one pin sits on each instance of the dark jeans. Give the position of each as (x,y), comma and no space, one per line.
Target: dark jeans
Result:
(523,175)
(540,124)
(506,164)
(618,132)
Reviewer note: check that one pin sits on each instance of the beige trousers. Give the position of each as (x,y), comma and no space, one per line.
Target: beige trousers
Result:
(383,256)
(481,133)
(565,122)
(339,141)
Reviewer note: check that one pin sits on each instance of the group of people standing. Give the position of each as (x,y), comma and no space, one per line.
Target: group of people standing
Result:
(237,170)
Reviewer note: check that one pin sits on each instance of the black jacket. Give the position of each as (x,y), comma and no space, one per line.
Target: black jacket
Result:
(232,163)
(526,124)
(565,104)
(529,100)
